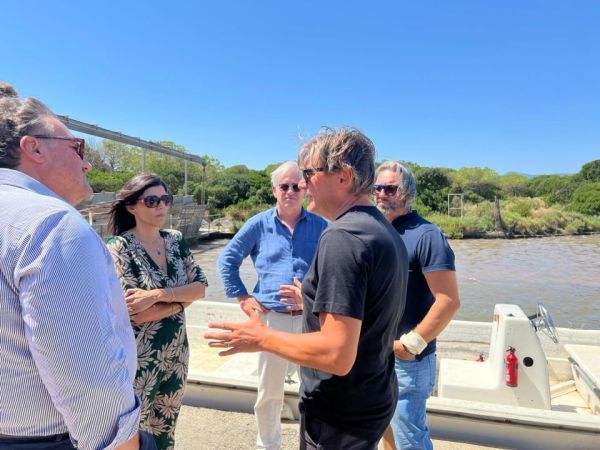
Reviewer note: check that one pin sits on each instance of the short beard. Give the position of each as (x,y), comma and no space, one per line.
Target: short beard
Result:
(385,210)
(391,208)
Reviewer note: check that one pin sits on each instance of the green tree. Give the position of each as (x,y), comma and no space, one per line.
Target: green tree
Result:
(260,188)
(239,169)
(591,171)
(514,184)
(264,195)
(478,183)
(108,181)
(553,188)
(217,198)
(227,189)
(432,188)
(586,199)
(117,156)
(172,169)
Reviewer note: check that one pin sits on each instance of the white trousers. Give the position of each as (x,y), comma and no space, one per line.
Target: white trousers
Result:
(272,371)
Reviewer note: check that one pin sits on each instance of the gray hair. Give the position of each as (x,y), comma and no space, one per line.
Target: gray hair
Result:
(407,189)
(6,90)
(18,118)
(283,168)
(344,148)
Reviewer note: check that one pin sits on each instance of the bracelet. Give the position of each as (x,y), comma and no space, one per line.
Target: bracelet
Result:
(413,342)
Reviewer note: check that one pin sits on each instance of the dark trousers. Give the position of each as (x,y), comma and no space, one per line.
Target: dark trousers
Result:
(318,435)
(60,442)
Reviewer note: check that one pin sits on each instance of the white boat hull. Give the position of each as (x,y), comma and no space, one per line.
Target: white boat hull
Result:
(232,387)
(510,427)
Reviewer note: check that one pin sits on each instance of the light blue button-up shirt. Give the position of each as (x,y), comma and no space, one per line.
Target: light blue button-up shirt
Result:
(278,255)
(67,351)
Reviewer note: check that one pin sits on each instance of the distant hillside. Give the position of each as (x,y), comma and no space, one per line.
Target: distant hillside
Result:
(530,175)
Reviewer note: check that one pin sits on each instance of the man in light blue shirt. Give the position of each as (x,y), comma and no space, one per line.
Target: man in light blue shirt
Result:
(67,352)
(281,242)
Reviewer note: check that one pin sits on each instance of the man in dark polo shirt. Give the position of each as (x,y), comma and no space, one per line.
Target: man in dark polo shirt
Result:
(431,301)
(353,295)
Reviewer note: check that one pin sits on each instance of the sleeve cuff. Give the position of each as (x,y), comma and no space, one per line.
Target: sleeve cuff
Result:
(127,426)
(236,292)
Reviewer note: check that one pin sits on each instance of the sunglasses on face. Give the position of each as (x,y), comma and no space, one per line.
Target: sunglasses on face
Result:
(152,201)
(388,189)
(307,174)
(285,186)
(79,143)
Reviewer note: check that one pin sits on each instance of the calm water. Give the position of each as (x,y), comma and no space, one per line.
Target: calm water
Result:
(561,272)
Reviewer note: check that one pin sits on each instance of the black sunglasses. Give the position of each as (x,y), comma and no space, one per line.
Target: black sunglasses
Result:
(285,186)
(388,189)
(79,143)
(307,174)
(152,201)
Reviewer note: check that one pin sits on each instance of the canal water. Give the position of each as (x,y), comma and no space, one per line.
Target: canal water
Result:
(561,272)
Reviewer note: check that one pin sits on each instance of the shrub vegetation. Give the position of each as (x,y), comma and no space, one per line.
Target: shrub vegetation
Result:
(529,206)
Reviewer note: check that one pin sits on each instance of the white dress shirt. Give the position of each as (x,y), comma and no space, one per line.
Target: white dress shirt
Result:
(67,351)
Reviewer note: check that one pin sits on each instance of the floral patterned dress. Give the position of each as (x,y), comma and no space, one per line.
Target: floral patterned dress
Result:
(162,346)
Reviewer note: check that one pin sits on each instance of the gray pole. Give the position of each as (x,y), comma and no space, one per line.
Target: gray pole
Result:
(185,183)
(95,130)
(204,184)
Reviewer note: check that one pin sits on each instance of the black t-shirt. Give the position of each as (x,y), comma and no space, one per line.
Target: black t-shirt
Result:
(360,270)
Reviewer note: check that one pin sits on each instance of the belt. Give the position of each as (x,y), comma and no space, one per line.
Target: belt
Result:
(296,312)
(51,438)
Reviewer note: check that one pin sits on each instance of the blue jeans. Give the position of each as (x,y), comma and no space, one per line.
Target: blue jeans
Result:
(416,380)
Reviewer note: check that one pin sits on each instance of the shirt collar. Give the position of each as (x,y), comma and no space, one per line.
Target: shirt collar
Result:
(303,214)
(16,178)
(404,218)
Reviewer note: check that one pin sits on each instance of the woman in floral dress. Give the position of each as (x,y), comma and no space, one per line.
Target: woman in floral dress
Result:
(160,278)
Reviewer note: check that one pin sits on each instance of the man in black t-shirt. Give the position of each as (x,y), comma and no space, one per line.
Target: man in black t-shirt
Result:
(354,295)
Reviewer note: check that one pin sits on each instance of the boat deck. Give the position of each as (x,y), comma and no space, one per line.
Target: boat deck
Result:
(229,384)
(206,362)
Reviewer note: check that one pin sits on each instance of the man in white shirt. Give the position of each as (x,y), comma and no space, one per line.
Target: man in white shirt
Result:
(68,356)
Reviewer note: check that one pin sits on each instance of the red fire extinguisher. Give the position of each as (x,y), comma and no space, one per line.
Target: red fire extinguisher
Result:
(512,364)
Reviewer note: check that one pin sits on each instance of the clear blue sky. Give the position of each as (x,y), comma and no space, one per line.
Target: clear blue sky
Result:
(511,85)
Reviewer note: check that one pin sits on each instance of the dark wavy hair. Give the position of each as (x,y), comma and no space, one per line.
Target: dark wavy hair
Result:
(122,220)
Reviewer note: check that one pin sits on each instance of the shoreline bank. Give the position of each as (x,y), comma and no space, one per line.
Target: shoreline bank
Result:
(197,242)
